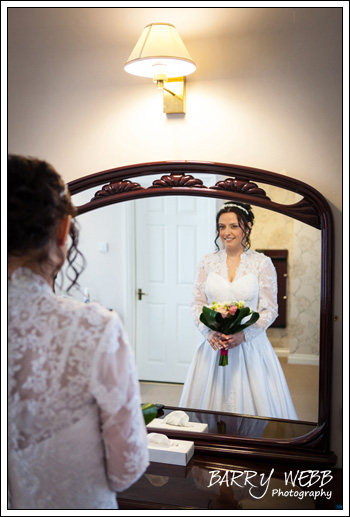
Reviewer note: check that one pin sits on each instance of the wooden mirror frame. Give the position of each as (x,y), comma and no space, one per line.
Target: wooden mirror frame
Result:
(241,184)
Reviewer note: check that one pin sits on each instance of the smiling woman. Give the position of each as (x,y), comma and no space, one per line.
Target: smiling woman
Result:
(306,209)
(234,222)
(253,382)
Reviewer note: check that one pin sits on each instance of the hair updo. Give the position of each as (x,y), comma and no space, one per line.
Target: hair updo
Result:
(37,201)
(245,218)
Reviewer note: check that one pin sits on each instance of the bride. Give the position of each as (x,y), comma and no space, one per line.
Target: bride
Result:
(76,434)
(253,382)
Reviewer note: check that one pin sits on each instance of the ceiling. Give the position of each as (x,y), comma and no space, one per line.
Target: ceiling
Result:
(89,38)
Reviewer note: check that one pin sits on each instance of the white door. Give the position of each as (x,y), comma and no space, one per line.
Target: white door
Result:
(172,235)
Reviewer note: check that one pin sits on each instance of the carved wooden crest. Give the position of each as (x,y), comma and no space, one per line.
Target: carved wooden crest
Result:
(178,180)
(116,187)
(242,186)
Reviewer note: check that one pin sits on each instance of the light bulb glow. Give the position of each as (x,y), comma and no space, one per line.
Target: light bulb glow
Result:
(171,67)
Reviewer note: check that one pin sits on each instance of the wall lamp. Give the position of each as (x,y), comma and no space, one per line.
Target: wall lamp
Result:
(161,54)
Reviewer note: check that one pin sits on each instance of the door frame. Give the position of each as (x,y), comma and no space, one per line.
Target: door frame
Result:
(130,276)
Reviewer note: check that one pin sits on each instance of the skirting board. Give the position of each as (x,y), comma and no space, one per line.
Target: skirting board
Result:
(310,359)
(281,352)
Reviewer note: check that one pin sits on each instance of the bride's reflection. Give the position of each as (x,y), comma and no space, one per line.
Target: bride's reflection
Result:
(107,268)
(237,372)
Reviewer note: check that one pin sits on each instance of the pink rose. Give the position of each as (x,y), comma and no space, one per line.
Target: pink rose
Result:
(222,311)
(232,309)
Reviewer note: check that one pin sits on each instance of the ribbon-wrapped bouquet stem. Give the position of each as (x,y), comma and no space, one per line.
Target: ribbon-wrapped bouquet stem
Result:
(226,317)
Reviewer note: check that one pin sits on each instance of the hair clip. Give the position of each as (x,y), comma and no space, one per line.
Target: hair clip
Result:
(65,192)
(237,206)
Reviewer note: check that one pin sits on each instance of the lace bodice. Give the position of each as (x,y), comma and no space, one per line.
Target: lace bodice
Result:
(255,283)
(73,392)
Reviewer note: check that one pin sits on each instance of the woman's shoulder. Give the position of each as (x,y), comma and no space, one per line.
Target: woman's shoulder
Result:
(100,326)
(257,258)
(213,258)
(90,314)
(257,254)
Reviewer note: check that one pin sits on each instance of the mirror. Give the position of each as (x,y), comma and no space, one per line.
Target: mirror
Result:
(286,211)
(295,341)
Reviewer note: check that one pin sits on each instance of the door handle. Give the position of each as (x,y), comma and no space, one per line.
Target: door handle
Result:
(140,294)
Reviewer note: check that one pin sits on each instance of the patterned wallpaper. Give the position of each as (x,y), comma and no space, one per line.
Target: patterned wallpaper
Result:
(306,277)
(276,231)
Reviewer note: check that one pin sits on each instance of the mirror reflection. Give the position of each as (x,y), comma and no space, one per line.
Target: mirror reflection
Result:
(155,245)
(243,426)
(235,369)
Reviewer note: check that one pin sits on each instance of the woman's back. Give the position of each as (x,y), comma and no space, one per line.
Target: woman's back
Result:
(71,378)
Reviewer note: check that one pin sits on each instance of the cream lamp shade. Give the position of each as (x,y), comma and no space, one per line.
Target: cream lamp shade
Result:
(160,54)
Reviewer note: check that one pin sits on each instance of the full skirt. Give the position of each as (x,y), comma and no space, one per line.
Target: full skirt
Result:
(252,383)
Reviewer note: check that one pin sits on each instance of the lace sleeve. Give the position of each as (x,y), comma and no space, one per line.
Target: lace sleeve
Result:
(267,300)
(115,387)
(199,298)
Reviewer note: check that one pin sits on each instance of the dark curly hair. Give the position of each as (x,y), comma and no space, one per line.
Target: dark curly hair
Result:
(245,218)
(37,199)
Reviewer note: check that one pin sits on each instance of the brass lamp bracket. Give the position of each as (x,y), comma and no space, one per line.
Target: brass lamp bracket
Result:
(174,95)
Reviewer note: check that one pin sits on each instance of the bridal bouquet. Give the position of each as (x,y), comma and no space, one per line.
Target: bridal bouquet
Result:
(227,318)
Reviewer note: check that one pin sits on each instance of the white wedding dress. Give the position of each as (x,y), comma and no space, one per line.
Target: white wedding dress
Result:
(253,382)
(76,433)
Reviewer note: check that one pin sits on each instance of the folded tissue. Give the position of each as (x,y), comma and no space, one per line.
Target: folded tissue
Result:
(179,421)
(179,418)
(160,439)
(163,450)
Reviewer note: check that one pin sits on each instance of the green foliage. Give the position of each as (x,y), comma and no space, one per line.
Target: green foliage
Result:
(231,324)
(149,411)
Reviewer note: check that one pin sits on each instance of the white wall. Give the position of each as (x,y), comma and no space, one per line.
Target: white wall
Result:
(279,108)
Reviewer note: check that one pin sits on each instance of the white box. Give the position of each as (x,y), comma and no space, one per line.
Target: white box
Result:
(179,453)
(192,427)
